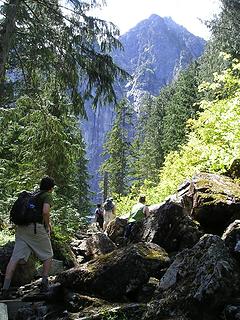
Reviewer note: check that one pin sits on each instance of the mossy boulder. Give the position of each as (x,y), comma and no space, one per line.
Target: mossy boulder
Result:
(169,227)
(119,275)
(199,283)
(212,200)
(62,250)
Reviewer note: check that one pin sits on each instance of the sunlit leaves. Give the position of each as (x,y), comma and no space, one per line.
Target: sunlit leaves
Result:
(213,143)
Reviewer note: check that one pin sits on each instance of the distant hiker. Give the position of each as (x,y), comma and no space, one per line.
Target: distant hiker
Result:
(99,215)
(34,237)
(109,212)
(138,213)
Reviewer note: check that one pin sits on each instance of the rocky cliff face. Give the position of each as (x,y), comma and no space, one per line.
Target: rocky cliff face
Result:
(154,52)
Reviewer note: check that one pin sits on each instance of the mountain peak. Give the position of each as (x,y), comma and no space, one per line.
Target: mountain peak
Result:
(156,49)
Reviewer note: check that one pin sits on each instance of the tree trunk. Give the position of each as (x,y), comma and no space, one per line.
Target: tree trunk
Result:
(7,30)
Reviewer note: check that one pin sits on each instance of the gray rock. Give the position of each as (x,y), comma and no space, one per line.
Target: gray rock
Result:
(118,275)
(212,200)
(24,273)
(93,246)
(56,268)
(231,237)
(169,227)
(3,311)
(198,283)
(115,230)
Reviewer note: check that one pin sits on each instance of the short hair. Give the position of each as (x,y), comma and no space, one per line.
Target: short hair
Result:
(47,183)
(99,205)
(142,198)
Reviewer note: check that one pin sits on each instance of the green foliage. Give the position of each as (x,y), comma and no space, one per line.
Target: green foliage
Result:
(70,44)
(226,28)
(117,149)
(213,140)
(6,236)
(181,106)
(146,149)
(113,315)
(162,125)
(225,38)
(41,136)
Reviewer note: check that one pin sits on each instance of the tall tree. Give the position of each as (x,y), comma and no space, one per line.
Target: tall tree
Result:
(146,150)
(225,37)
(117,147)
(226,27)
(40,137)
(74,46)
(181,106)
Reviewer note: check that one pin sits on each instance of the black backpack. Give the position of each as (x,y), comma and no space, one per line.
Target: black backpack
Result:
(27,208)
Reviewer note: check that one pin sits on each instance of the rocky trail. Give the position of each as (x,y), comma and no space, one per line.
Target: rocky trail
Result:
(180,264)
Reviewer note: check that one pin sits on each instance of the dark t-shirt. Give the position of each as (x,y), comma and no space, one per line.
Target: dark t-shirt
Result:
(46,197)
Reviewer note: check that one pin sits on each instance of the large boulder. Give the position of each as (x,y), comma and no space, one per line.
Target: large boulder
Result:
(62,250)
(115,230)
(212,200)
(234,170)
(231,237)
(169,227)
(93,246)
(117,276)
(199,282)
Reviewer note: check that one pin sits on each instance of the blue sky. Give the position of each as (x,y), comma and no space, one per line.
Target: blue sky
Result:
(127,13)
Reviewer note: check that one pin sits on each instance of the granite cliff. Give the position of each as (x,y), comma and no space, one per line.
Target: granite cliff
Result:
(155,50)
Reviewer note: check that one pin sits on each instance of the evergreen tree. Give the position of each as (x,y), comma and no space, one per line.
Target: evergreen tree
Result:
(181,106)
(226,28)
(225,38)
(39,137)
(146,151)
(39,35)
(117,150)
(162,125)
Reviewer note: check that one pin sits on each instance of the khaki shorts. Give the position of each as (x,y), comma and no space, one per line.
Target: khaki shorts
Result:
(108,216)
(27,241)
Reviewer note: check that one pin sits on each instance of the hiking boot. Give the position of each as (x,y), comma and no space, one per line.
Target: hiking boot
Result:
(6,295)
(44,286)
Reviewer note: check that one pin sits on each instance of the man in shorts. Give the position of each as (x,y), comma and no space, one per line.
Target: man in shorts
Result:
(34,237)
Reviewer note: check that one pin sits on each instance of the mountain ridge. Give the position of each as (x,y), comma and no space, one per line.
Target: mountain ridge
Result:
(155,50)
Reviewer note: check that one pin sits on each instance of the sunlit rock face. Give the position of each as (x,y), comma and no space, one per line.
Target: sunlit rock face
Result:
(199,282)
(212,200)
(155,50)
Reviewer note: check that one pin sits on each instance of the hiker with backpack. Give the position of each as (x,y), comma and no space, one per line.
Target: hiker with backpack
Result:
(109,212)
(31,214)
(99,215)
(139,211)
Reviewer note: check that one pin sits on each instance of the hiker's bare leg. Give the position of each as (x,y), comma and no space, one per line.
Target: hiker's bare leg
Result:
(46,267)
(12,264)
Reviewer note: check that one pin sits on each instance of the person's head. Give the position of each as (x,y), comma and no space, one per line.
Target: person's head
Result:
(47,183)
(142,198)
(99,205)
